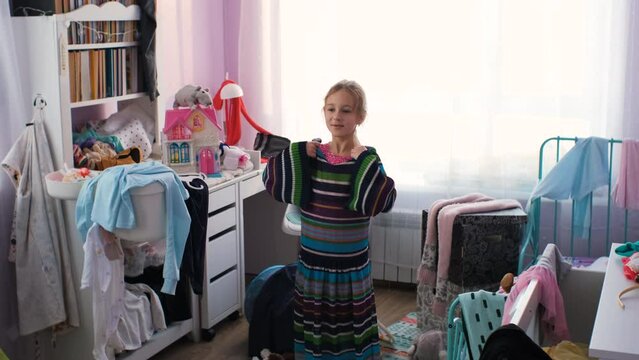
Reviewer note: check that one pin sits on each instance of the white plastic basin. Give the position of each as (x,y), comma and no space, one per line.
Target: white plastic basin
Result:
(63,190)
(150,214)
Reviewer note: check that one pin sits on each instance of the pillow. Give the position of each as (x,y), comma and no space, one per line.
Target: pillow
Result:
(120,119)
(133,134)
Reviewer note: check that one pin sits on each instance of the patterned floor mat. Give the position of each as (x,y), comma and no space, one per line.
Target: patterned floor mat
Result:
(403,333)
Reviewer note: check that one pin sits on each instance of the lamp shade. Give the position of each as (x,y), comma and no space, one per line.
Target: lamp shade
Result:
(231,91)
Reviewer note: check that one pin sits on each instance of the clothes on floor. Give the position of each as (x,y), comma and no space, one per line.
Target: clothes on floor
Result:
(567,350)
(334,309)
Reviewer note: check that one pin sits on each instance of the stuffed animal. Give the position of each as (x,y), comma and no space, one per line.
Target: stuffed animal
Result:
(266,354)
(430,345)
(191,96)
(233,158)
(507,282)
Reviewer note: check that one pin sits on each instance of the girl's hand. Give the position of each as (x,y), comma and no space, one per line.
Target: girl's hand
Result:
(357,151)
(311,149)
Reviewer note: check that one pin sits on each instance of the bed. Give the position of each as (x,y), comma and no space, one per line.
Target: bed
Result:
(559,224)
(553,216)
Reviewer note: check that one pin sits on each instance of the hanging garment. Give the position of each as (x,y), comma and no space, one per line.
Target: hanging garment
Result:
(106,200)
(123,316)
(194,261)
(553,320)
(583,169)
(44,283)
(626,191)
(146,48)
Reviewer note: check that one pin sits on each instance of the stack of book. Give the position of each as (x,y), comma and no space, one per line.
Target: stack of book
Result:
(100,73)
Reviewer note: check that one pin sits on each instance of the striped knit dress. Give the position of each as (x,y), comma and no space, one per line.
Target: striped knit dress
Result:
(334,310)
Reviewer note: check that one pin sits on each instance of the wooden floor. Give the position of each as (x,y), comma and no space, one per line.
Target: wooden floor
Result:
(393,301)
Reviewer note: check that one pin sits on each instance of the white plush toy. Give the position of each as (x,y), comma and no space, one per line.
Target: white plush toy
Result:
(233,158)
(191,96)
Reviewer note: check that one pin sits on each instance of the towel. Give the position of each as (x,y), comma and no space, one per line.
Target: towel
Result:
(626,191)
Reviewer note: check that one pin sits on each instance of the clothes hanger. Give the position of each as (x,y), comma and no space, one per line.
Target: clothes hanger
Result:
(188,177)
(39,103)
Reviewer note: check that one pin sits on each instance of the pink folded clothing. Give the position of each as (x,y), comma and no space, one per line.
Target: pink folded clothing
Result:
(626,191)
(427,273)
(445,220)
(433,270)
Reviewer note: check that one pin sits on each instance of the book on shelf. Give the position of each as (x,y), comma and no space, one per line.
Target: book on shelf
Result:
(100,73)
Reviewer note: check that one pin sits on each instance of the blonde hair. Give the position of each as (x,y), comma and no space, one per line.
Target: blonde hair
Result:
(356,91)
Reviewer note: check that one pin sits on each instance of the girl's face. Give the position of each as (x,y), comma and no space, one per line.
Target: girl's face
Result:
(340,115)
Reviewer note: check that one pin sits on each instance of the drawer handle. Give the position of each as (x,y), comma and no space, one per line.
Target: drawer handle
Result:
(222,274)
(223,208)
(222,233)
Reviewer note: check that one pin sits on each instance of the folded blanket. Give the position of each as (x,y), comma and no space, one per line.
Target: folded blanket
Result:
(445,220)
(425,273)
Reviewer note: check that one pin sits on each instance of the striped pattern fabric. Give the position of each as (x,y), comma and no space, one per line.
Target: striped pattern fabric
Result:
(286,174)
(334,310)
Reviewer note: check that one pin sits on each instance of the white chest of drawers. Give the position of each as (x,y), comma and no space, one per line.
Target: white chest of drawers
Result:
(223,290)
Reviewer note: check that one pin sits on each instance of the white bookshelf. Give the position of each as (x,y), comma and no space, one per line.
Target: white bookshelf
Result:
(43,49)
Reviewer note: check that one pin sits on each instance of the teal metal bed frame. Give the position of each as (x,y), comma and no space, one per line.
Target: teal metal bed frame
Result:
(530,246)
(456,339)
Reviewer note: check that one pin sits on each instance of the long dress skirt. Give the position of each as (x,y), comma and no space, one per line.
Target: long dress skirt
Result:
(334,305)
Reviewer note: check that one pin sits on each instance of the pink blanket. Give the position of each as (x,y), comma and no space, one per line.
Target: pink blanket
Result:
(425,274)
(441,237)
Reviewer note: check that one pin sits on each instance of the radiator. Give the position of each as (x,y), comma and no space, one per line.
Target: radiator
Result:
(395,246)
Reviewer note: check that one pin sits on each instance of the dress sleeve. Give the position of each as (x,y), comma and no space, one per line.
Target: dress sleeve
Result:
(372,190)
(287,175)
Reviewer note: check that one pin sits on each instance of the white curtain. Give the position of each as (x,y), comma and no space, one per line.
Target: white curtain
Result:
(460,93)
(14,116)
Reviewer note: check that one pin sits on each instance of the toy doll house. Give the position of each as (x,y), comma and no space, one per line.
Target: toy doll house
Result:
(185,132)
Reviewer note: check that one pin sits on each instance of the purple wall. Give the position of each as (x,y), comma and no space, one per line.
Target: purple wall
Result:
(190,45)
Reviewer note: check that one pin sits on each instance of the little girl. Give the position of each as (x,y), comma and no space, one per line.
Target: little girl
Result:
(338,187)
